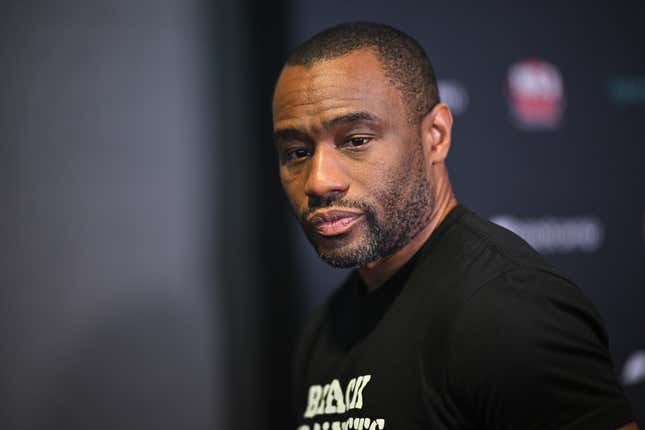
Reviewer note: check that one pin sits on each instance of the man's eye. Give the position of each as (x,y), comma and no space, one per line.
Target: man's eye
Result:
(294,154)
(357,141)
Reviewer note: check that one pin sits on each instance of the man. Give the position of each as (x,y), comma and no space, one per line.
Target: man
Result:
(449,322)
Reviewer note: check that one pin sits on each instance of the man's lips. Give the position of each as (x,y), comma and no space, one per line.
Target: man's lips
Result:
(334,221)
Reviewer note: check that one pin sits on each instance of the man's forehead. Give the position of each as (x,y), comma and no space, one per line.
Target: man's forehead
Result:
(328,86)
(321,103)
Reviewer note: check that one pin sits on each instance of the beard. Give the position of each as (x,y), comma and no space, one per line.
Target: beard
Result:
(400,209)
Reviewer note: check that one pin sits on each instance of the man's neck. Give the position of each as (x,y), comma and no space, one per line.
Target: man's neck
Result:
(375,273)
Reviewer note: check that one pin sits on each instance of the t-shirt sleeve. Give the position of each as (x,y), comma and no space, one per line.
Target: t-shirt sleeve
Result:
(528,350)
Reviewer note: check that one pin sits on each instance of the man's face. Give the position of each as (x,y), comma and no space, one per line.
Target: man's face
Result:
(351,162)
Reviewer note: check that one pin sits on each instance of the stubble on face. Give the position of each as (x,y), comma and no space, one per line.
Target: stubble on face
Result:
(395,213)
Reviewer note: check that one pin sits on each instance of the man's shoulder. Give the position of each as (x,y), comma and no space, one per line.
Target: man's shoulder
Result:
(473,251)
(487,237)
(480,277)
(515,338)
(477,264)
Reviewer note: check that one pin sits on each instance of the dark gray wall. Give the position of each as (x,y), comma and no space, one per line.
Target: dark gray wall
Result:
(108,315)
(254,249)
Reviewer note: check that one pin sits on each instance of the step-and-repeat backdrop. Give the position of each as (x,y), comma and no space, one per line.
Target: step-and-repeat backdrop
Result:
(549,105)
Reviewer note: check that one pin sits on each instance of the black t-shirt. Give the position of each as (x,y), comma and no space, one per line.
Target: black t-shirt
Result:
(476,331)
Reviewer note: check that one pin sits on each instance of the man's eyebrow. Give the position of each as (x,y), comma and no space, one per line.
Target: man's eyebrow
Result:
(349,118)
(285,134)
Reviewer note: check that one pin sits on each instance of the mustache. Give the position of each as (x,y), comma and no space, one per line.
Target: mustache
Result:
(321,203)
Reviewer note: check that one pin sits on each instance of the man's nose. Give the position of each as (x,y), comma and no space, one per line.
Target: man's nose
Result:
(326,175)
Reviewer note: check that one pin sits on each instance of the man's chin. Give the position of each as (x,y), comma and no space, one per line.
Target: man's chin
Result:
(346,256)
(350,249)
(339,261)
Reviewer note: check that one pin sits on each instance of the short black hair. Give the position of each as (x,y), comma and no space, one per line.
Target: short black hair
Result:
(404,61)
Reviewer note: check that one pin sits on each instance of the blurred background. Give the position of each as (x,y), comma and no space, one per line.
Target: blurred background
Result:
(152,275)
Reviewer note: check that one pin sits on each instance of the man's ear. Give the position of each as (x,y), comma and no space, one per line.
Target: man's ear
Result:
(436,129)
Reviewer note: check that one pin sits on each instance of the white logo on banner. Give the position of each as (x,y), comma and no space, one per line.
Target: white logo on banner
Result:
(454,95)
(634,369)
(556,235)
